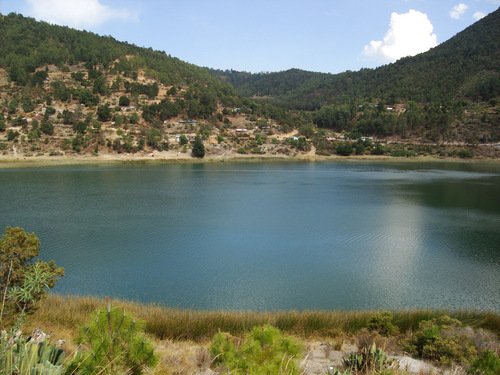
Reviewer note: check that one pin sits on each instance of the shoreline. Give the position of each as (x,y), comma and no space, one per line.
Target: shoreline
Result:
(9,161)
(59,310)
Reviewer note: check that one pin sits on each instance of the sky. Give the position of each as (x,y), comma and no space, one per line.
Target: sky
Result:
(269,35)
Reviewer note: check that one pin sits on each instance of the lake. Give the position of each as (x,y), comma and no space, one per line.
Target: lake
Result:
(268,236)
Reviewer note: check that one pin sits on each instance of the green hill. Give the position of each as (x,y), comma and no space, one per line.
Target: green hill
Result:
(467,65)
(69,92)
(26,44)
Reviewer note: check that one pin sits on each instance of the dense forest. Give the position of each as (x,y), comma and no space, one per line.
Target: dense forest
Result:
(466,66)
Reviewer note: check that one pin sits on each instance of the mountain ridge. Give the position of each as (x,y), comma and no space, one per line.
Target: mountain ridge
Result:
(70,92)
(427,76)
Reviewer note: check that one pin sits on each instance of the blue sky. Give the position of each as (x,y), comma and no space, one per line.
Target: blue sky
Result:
(269,35)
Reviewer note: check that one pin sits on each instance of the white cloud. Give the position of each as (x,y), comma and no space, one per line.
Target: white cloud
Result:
(478,15)
(76,13)
(409,34)
(458,11)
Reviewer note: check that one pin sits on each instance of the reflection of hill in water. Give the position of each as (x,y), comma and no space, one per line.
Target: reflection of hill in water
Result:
(463,193)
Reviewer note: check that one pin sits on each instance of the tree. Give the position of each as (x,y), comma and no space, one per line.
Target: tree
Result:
(23,282)
(183,140)
(115,344)
(124,101)
(104,113)
(12,135)
(198,147)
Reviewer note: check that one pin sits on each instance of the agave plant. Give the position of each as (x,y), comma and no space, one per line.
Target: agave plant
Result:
(28,357)
(369,359)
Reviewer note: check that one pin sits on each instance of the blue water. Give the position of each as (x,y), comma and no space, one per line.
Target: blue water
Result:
(268,236)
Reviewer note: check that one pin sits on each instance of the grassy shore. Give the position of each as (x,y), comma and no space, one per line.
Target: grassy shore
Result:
(182,338)
(166,158)
(61,315)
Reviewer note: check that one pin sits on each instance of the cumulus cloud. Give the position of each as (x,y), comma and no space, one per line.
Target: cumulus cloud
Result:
(409,34)
(76,13)
(478,15)
(458,11)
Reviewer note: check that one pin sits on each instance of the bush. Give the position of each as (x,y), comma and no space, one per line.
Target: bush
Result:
(124,101)
(486,364)
(198,147)
(34,356)
(183,140)
(382,323)
(465,153)
(114,344)
(378,150)
(104,113)
(12,135)
(441,340)
(344,149)
(47,127)
(369,360)
(23,281)
(264,350)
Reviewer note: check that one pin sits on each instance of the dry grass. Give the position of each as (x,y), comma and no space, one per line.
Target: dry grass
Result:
(61,316)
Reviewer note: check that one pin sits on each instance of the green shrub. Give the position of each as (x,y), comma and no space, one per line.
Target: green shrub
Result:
(378,150)
(487,363)
(23,281)
(12,135)
(382,323)
(183,140)
(368,360)
(198,150)
(344,149)
(264,350)
(124,101)
(113,343)
(465,153)
(22,357)
(441,340)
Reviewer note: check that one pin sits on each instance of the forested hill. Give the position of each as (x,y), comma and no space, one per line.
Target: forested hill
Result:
(467,65)
(26,44)
(69,92)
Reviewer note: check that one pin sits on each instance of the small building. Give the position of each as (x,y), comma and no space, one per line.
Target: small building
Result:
(188,122)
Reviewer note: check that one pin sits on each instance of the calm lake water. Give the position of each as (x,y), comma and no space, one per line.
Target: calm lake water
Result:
(268,236)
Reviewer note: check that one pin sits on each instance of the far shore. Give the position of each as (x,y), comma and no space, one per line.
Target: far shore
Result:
(11,161)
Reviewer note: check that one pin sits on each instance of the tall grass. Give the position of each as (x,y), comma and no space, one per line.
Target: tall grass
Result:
(63,314)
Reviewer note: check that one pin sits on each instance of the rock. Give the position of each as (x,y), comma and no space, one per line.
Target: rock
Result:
(206,372)
(320,358)
(415,366)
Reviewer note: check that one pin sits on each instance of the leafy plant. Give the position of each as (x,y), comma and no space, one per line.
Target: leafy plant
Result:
(198,147)
(369,360)
(487,363)
(441,340)
(22,282)
(264,350)
(382,323)
(29,357)
(113,343)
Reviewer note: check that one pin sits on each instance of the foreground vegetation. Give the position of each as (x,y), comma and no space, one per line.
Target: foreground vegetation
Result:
(61,313)
(445,338)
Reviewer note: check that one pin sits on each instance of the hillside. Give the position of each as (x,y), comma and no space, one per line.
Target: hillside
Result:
(67,93)
(466,66)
